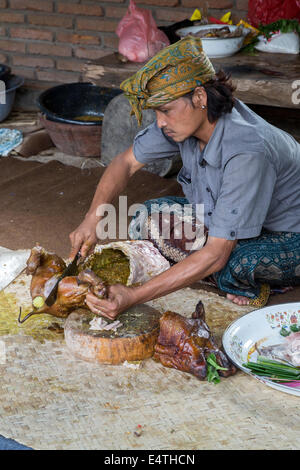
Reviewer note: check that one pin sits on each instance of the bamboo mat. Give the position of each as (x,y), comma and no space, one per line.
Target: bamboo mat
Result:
(51,400)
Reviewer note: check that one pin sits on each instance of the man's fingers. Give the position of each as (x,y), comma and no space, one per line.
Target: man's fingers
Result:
(86,247)
(76,242)
(73,252)
(100,311)
(102,304)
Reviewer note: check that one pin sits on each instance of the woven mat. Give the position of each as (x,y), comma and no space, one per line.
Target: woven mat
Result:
(51,400)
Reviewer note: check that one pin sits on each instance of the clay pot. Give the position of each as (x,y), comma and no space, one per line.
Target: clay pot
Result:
(74,139)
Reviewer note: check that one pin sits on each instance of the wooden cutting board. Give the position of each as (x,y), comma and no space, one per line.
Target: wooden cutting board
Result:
(134,340)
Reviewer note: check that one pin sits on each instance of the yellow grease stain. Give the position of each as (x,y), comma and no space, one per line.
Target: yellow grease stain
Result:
(40,327)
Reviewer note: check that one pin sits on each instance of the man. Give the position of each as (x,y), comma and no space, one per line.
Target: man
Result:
(245,172)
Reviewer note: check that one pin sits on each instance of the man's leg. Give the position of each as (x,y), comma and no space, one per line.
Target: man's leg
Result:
(258,264)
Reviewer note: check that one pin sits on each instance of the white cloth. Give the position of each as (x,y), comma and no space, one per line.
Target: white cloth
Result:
(12,263)
(9,139)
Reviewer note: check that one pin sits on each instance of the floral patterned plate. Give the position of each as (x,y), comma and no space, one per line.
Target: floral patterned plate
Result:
(260,327)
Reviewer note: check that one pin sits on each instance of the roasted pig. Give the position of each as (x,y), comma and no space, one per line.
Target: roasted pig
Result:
(185,343)
(45,268)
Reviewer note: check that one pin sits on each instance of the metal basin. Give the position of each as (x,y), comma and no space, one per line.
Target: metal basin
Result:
(76,103)
(7,95)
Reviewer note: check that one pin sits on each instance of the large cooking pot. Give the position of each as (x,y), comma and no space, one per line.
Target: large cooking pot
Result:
(76,103)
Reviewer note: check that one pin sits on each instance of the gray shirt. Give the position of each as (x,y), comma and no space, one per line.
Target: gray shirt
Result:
(247,176)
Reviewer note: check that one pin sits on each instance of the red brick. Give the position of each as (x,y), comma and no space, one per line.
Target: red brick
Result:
(50,49)
(115,12)
(12,46)
(38,5)
(89,53)
(110,40)
(217,4)
(30,61)
(86,9)
(107,1)
(2,31)
(37,34)
(50,20)
(69,65)
(242,5)
(77,38)
(3,58)
(239,15)
(24,72)
(162,3)
(57,76)
(172,15)
(91,24)
(3,3)
(9,17)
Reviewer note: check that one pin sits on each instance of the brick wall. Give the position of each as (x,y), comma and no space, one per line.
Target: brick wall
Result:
(50,40)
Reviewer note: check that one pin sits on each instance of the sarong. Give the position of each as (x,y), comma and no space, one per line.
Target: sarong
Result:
(256,267)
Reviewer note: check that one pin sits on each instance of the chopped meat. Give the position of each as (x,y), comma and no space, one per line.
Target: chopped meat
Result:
(288,351)
(98,323)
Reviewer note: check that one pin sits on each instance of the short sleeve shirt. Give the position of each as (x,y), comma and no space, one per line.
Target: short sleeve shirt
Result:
(247,177)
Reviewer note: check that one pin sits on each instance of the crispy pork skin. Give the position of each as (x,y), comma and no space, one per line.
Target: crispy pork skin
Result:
(185,343)
(45,268)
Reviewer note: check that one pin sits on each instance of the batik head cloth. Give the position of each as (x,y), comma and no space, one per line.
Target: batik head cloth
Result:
(170,74)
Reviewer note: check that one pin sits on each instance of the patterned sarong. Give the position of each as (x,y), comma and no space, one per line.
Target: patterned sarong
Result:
(256,266)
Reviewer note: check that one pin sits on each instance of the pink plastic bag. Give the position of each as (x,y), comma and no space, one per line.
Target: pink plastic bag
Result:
(140,39)
(267,11)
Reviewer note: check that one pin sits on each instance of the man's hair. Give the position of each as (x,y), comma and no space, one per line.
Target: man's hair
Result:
(220,99)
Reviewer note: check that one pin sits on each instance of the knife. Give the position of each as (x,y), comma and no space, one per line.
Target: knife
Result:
(70,270)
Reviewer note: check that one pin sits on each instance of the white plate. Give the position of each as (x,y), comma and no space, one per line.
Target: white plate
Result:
(262,326)
(216,47)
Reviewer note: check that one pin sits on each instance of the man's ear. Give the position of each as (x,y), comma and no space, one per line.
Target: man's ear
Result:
(199,97)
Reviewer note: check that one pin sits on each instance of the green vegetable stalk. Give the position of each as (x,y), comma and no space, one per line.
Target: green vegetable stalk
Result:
(212,369)
(274,370)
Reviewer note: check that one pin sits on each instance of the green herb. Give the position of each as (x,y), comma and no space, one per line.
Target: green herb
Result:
(284,331)
(275,370)
(284,26)
(295,328)
(212,369)
(250,48)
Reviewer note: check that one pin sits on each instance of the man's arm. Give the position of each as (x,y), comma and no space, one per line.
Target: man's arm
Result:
(210,259)
(112,183)
(204,262)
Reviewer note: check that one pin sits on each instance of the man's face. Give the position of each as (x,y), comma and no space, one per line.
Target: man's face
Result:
(179,119)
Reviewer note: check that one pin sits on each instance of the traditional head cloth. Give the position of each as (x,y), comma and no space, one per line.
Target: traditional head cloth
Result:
(170,74)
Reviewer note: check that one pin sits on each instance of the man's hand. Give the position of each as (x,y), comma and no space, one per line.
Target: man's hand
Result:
(120,298)
(114,180)
(84,237)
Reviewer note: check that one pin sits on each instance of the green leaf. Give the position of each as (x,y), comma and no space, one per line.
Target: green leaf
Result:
(284,332)
(295,328)
(212,369)
(285,26)
(211,359)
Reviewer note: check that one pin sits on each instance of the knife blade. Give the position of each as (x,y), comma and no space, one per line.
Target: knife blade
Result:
(70,270)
